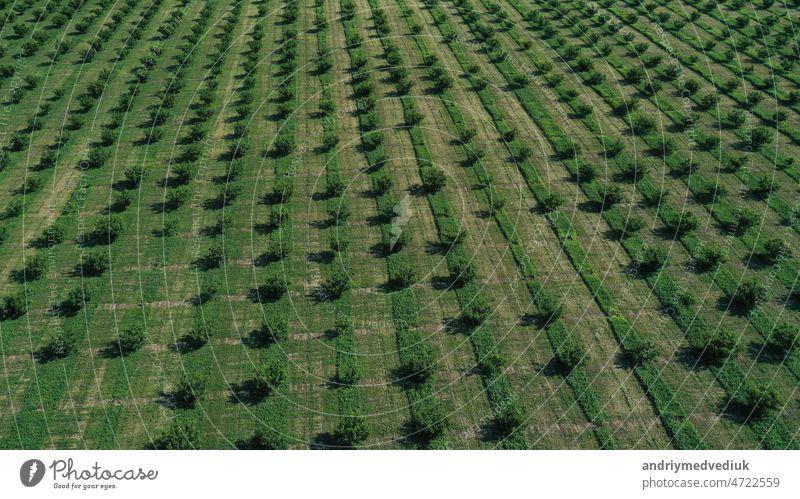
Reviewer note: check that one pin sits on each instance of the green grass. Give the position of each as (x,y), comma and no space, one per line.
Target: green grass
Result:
(256,122)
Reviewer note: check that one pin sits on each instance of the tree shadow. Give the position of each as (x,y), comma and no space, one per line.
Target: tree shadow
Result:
(326,441)
(113,350)
(246,393)
(47,354)
(766,352)
(167,400)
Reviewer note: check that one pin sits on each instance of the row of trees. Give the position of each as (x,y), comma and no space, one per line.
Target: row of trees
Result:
(653,259)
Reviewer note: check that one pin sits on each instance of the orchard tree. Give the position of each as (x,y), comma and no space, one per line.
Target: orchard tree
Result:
(181,434)
(131,339)
(352,430)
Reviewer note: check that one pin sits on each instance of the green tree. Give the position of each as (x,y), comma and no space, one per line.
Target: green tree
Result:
(95,263)
(749,295)
(429,418)
(189,390)
(274,285)
(651,258)
(433,178)
(712,256)
(270,438)
(274,327)
(35,267)
(76,298)
(62,345)
(269,376)
(775,248)
(336,284)
(786,337)
(201,332)
(758,397)
(135,174)
(132,338)
(352,430)
(181,434)
(14,305)
(716,344)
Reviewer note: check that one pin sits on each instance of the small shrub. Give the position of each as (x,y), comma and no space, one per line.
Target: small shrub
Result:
(584,173)
(131,339)
(757,397)
(338,241)
(510,418)
(76,298)
(278,216)
(185,172)
(14,208)
(189,390)
(651,258)
(746,218)
(712,256)
(108,230)
(433,178)
(775,249)
(274,285)
(715,345)
(135,174)
(336,284)
(121,202)
(95,263)
(462,270)
(13,305)
(476,312)
(643,125)
(759,137)
(749,295)
(683,223)
(571,353)
(329,141)
(334,186)
(274,328)
(429,418)
(177,197)
(611,195)
(269,376)
(403,274)
(641,351)
(550,309)
(35,267)
(201,332)
(762,186)
(420,362)
(352,431)
(785,337)
(208,289)
(181,434)
(383,182)
(217,253)
(269,438)
(62,345)
(284,144)
(552,201)
(96,158)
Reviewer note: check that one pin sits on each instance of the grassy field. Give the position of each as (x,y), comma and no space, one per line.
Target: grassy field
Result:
(392,224)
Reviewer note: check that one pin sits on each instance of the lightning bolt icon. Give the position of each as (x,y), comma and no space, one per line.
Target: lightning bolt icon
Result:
(32,472)
(403,211)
